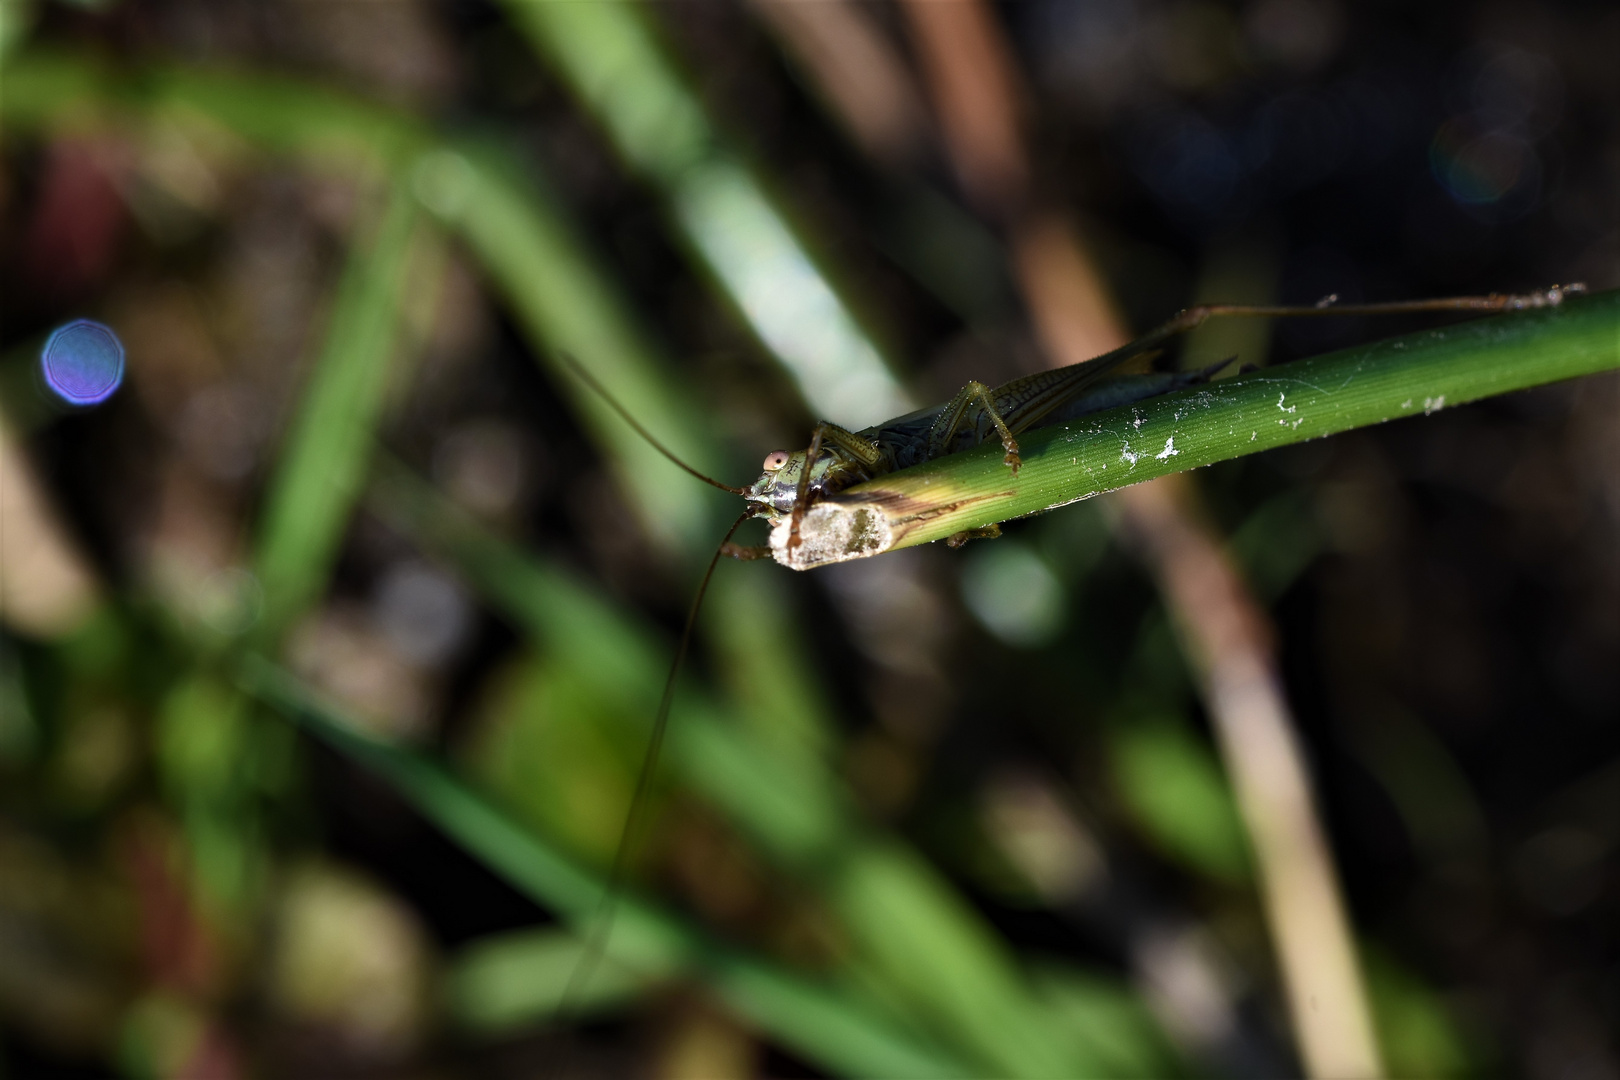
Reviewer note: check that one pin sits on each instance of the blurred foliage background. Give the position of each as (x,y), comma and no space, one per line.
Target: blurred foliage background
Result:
(332,640)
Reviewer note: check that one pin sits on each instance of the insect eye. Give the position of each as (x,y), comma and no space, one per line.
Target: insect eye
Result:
(775,460)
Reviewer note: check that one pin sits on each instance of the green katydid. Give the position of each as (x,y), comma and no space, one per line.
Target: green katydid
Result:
(836,458)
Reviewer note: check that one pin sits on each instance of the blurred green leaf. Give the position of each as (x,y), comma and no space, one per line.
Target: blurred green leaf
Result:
(1174,788)
(323,462)
(542,722)
(1108,1023)
(1415,1029)
(19,732)
(515,979)
(1277,543)
(200,733)
(203,753)
(750,627)
(815,1020)
(567,303)
(1428,785)
(16,19)
(928,940)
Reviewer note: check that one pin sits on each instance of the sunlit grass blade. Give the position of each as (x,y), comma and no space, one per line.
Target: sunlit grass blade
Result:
(612,59)
(322,466)
(1413,375)
(819,1021)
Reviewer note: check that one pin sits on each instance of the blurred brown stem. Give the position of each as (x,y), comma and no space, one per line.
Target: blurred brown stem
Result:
(47,589)
(857,70)
(1228,640)
(1224,632)
(971,81)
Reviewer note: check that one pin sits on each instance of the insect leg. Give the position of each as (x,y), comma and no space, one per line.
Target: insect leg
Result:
(860,449)
(987,532)
(952,417)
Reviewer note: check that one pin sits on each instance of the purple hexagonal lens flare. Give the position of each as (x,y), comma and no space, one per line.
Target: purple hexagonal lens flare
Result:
(83,362)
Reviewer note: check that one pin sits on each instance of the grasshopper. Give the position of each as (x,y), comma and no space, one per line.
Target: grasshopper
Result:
(836,458)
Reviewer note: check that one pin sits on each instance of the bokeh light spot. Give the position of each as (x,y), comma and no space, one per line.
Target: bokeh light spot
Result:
(83,362)
(1485,168)
(1014,594)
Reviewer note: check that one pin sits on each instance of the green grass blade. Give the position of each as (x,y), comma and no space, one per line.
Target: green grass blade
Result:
(46,88)
(816,1020)
(323,462)
(1406,376)
(512,980)
(626,80)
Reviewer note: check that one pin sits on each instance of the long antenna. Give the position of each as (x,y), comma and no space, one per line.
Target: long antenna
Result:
(589,380)
(602,920)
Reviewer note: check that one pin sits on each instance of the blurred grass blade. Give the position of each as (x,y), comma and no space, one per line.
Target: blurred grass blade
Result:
(925,940)
(818,1021)
(16,19)
(64,91)
(563,298)
(1172,785)
(1109,1021)
(1405,376)
(928,941)
(515,979)
(566,302)
(624,77)
(539,870)
(323,461)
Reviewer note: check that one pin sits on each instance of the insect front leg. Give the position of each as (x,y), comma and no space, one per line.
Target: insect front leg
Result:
(952,417)
(859,449)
